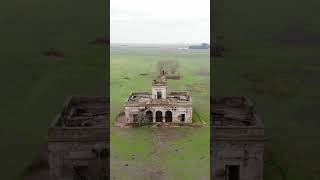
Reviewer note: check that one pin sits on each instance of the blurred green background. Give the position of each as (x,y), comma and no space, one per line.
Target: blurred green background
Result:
(34,86)
(273,57)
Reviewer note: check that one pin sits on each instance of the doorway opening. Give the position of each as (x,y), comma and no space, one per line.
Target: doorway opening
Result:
(183,117)
(168,116)
(158,116)
(149,116)
(232,172)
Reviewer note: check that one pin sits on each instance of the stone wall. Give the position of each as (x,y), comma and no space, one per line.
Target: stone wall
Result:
(176,113)
(247,155)
(64,155)
(241,146)
(72,146)
(162,89)
(59,134)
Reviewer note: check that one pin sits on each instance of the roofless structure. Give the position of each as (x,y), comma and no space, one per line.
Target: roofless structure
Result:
(78,140)
(159,105)
(237,137)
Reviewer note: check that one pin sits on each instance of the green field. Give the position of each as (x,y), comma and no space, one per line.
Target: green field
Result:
(273,57)
(159,153)
(33,86)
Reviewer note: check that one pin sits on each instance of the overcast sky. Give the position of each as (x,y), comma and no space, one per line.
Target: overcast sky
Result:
(160,21)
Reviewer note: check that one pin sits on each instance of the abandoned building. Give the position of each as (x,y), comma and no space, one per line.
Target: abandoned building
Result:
(237,140)
(159,105)
(78,140)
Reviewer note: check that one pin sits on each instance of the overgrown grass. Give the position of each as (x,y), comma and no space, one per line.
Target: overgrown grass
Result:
(158,144)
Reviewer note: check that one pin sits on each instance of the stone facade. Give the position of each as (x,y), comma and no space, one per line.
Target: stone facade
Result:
(176,113)
(238,139)
(78,146)
(159,106)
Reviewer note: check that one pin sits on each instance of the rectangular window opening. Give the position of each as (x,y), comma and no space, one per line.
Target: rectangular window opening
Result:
(183,116)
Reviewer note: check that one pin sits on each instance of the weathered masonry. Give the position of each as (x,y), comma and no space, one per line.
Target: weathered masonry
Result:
(159,106)
(78,140)
(237,137)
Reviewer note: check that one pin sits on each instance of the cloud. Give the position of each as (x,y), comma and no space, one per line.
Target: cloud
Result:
(160,21)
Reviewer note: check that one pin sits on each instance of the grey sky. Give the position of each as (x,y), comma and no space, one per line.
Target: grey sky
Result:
(160,21)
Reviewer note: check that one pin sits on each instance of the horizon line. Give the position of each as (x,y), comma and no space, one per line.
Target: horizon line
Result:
(159,43)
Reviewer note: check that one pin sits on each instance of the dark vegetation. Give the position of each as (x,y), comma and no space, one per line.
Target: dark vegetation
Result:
(54,53)
(275,61)
(141,120)
(34,85)
(101,41)
(218,46)
(170,67)
(39,162)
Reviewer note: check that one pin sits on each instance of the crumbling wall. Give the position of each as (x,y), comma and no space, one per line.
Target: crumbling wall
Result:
(246,154)
(162,89)
(68,147)
(63,156)
(129,111)
(176,112)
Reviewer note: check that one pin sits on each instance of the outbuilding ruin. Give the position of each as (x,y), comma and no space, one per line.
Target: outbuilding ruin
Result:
(78,140)
(237,140)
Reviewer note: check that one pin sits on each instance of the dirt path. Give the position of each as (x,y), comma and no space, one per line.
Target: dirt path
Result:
(159,139)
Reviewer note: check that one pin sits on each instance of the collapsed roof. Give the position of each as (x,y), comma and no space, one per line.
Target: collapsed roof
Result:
(233,111)
(84,112)
(146,98)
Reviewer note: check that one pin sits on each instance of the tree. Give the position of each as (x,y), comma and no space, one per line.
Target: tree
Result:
(141,118)
(168,66)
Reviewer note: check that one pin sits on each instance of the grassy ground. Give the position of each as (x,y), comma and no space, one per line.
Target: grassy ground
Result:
(274,59)
(34,86)
(155,153)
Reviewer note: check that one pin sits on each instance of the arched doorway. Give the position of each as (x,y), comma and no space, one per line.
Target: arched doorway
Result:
(158,116)
(168,116)
(149,116)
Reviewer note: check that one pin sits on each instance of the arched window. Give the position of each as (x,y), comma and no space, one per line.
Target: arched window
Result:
(158,116)
(149,116)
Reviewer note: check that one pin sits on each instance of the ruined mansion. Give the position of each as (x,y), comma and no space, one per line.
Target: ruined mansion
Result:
(237,140)
(159,105)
